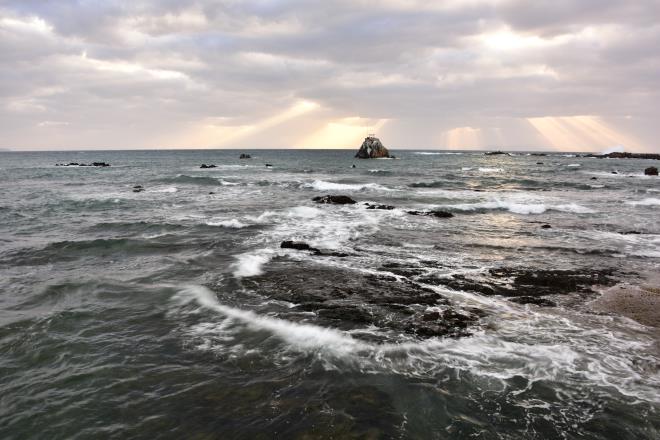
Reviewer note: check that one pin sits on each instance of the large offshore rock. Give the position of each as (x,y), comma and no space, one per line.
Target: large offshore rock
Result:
(372,148)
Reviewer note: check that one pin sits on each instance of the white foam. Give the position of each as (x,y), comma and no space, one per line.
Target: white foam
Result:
(573,165)
(233,223)
(322,185)
(304,212)
(300,336)
(537,344)
(226,183)
(171,189)
(250,264)
(521,208)
(490,170)
(466,168)
(649,201)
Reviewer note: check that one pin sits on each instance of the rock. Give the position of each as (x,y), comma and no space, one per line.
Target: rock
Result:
(539,154)
(651,171)
(372,148)
(439,214)
(245,156)
(138,188)
(268,165)
(207,166)
(496,153)
(300,246)
(539,163)
(335,200)
(614,172)
(387,207)
(76,164)
(546,227)
(594,178)
(353,166)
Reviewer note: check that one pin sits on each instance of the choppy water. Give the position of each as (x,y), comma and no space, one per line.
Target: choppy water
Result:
(174,313)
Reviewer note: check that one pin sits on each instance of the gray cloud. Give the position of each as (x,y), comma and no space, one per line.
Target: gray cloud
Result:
(278,73)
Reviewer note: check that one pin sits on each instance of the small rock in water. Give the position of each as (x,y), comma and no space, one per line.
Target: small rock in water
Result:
(138,188)
(387,207)
(353,166)
(245,156)
(539,163)
(594,178)
(651,171)
(207,166)
(614,172)
(268,165)
(546,227)
(300,246)
(336,200)
(439,214)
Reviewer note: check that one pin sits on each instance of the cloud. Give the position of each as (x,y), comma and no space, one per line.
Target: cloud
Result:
(455,74)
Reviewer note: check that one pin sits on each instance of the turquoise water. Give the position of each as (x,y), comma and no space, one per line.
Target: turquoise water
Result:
(174,313)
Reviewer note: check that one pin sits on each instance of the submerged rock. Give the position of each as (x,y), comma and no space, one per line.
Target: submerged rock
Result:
(515,282)
(207,166)
(335,200)
(651,171)
(372,148)
(363,300)
(138,188)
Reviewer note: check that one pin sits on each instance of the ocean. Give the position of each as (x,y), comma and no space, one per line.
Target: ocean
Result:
(174,312)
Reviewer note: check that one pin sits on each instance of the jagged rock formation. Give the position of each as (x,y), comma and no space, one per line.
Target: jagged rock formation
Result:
(372,148)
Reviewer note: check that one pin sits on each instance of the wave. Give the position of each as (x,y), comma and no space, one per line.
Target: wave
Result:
(233,223)
(573,165)
(322,185)
(171,189)
(490,170)
(251,264)
(521,208)
(193,180)
(649,201)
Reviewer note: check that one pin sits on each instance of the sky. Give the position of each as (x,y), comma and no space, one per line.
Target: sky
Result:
(580,75)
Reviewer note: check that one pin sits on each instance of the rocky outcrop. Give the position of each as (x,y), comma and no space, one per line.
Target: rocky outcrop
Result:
(245,156)
(204,166)
(651,171)
(335,200)
(372,148)
(624,155)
